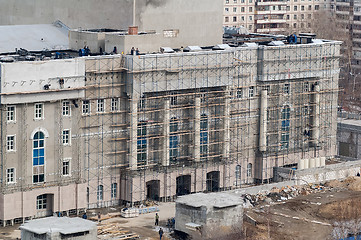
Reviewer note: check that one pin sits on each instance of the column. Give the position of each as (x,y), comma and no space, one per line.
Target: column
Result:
(263,122)
(316,116)
(133,134)
(226,125)
(197,129)
(166,119)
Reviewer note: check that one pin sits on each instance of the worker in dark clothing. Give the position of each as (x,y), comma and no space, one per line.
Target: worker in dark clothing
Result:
(137,51)
(132,51)
(84,216)
(160,233)
(115,50)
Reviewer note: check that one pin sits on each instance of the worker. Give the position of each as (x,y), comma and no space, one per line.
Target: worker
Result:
(115,50)
(84,216)
(132,51)
(99,215)
(137,51)
(160,233)
(156,219)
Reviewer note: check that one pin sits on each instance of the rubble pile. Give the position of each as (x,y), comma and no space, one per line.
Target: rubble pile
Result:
(282,194)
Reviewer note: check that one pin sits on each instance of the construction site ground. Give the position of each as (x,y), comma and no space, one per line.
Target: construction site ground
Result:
(310,215)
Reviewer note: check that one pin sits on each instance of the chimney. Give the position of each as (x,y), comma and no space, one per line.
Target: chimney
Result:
(133,30)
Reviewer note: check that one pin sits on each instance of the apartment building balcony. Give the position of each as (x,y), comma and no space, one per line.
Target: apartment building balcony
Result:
(270,12)
(276,3)
(270,30)
(262,21)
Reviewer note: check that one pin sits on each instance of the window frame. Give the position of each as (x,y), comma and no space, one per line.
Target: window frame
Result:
(66,165)
(41,202)
(100,105)
(66,137)
(114,190)
(39,111)
(11,114)
(85,106)
(12,175)
(66,109)
(11,147)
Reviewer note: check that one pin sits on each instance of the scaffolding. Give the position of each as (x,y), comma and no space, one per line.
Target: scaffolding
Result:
(178,123)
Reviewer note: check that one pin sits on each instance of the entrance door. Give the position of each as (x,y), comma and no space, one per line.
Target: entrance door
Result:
(153,190)
(183,185)
(213,181)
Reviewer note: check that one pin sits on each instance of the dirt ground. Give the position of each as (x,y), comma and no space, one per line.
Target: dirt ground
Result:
(307,217)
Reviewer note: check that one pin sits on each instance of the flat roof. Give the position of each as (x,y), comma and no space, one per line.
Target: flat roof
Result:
(217,200)
(35,37)
(64,225)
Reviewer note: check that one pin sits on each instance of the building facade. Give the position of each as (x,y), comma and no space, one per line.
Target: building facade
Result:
(98,131)
(277,17)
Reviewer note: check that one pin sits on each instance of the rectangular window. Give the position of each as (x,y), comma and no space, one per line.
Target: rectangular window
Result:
(286,88)
(234,9)
(317,7)
(38,114)
(10,143)
(295,8)
(114,190)
(250,9)
(234,19)
(10,114)
(295,16)
(242,9)
(66,137)
(251,92)
(10,175)
(66,108)
(86,107)
(239,93)
(41,202)
(285,137)
(306,87)
(115,104)
(226,19)
(226,9)
(66,167)
(100,105)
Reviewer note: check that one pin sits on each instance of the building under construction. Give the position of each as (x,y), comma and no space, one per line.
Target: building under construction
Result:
(104,130)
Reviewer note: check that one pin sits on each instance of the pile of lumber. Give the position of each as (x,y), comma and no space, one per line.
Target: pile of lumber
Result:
(114,231)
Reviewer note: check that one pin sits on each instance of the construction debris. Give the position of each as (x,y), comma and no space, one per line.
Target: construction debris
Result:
(285,193)
(113,231)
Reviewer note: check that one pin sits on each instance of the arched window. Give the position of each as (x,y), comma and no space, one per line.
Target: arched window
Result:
(249,170)
(173,140)
(38,157)
(142,143)
(114,190)
(204,135)
(100,193)
(285,127)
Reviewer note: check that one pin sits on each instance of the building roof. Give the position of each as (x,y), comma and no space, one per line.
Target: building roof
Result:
(217,200)
(33,37)
(64,225)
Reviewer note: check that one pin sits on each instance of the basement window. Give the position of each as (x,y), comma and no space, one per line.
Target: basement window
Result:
(172,33)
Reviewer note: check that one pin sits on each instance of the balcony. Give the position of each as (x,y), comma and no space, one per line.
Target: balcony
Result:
(270,12)
(272,3)
(261,21)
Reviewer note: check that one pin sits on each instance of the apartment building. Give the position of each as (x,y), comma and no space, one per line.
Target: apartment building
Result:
(273,16)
